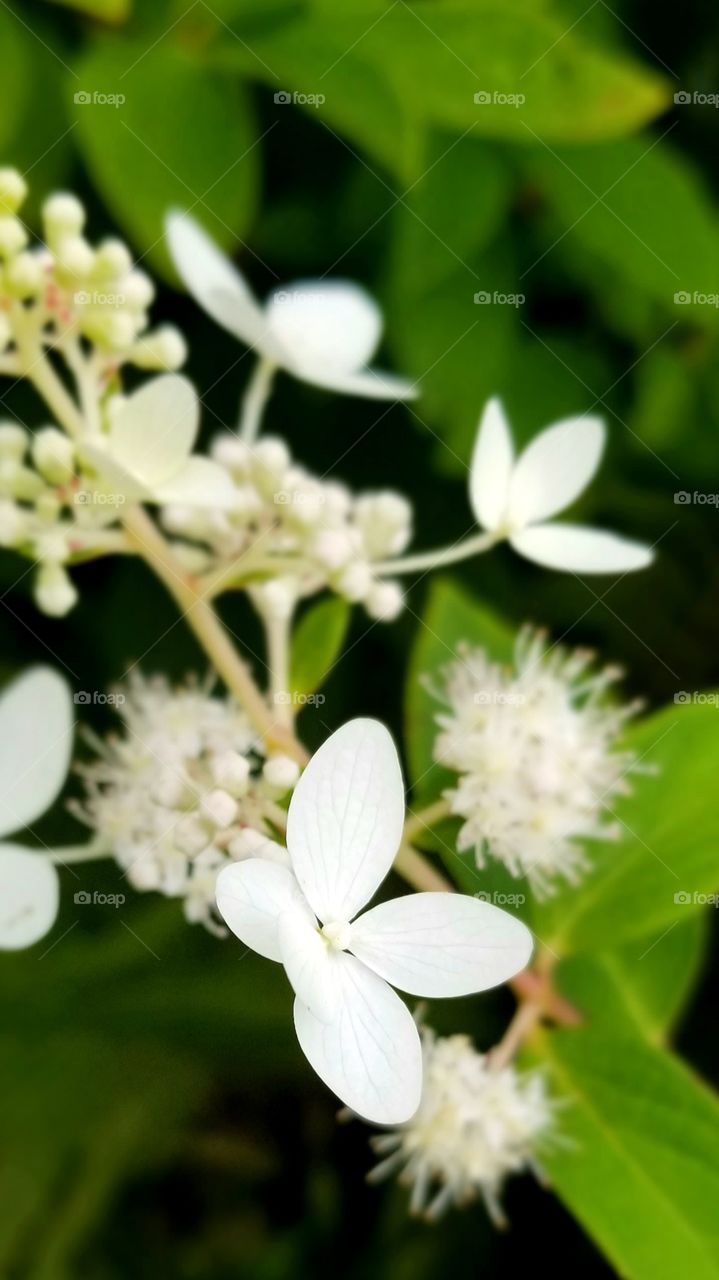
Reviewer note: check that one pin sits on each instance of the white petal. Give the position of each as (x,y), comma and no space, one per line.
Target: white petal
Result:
(326,326)
(554,469)
(251,897)
(29,897)
(491,467)
(441,944)
(212,279)
(578,549)
(200,483)
(372,384)
(312,966)
(370,1054)
(345,819)
(36,726)
(111,476)
(152,432)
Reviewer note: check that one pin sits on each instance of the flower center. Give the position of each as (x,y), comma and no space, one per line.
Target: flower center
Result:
(337,934)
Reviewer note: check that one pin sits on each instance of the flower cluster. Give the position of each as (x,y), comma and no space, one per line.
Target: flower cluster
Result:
(535,750)
(303,532)
(64,290)
(184,791)
(475,1126)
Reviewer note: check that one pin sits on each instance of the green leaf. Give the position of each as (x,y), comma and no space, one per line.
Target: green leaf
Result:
(639,209)
(317,643)
(16,67)
(666,859)
(105,10)
(640,987)
(639,1171)
(451,617)
(178,134)
(437,56)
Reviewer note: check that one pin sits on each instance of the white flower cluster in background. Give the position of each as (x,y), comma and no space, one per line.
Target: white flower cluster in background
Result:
(475,1126)
(305,532)
(185,790)
(65,289)
(536,752)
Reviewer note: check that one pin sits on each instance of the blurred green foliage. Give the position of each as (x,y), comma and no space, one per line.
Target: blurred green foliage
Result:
(156,1115)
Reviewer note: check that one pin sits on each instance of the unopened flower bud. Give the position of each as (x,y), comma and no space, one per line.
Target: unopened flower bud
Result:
(219,807)
(115,330)
(163,348)
(355,581)
(190,835)
(112,260)
(14,441)
(25,276)
(281,773)
(13,523)
(63,215)
(137,290)
(13,190)
(74,256)
(54,592)
(13,236)
(231,772)
(333,548)
(53,455)
(384,601)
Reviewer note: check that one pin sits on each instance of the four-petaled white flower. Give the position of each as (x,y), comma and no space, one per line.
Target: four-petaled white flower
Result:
(36,731)
(516,498)
(322,331)
(147,452)
(343,831)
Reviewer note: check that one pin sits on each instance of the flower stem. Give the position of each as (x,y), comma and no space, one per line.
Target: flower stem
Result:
(255,399)
(419,872)
(425,818)
(73,853)
(441,556)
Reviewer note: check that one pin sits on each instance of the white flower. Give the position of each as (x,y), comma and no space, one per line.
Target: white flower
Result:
(475,1126)
(181,793)
(344,828)
(515,499)
(321,331)
(535,750)
(147,452)
(36,734)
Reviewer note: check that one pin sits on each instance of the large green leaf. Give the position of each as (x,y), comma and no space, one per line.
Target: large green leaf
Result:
(639,1170)
(666,859)
(178,134)
(640,987)
(437,57)
(16,67)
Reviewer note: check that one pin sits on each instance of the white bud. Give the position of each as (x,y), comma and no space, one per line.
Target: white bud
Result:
(63,215)
(190,835)
(13,190)
(48,506)
(145,874)
(281,773)
(246,844)
(276,598)
(14,441)
(137,290)
(112,260)
(355,581)
(220,808)
(74,256)
(21,482)
(163,348)
(270,460)
(385,601)
(53,455)
(6,333)
(232,453)
(51,544)
(13,236)
(231,772)
(54,592)
(385,520)
(333,548)
(170,789)
(115,330)
(13,524)
(25,276)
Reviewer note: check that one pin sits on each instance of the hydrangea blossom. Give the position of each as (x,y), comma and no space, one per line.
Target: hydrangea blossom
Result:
(185,790)
(535,751)
(344,829)
(284,520)
(321,331)
(475,1126)
(33,766)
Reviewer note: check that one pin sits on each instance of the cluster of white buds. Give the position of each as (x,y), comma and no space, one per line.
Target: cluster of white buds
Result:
(184,791)
(49,511)
(65,290)
(476,1125)
(536,752)
(305,532)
